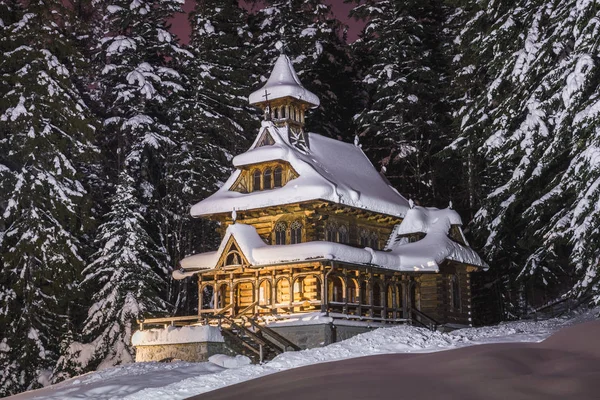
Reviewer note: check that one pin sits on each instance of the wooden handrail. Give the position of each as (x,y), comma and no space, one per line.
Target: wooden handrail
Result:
(433,323)
(282,340)
(246,309)
(226,308)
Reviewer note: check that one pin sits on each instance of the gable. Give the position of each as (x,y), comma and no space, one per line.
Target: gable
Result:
(232,256)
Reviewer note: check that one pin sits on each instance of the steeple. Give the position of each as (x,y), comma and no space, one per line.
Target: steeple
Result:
(283,98)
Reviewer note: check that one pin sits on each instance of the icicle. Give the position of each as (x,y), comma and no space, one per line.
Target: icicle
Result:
(234,215)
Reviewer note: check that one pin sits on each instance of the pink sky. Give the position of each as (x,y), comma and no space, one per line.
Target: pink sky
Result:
(181,26)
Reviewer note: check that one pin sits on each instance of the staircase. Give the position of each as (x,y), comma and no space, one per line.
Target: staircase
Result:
(245,336)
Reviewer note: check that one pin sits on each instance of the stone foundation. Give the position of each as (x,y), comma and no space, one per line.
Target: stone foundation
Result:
(318,335)
(192,352)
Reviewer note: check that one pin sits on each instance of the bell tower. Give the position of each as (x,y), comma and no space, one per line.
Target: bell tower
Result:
(284,101)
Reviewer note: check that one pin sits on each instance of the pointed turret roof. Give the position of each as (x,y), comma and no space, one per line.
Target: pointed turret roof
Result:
(283,82)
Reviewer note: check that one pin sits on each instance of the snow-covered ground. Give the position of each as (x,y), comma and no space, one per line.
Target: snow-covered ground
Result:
(177,380)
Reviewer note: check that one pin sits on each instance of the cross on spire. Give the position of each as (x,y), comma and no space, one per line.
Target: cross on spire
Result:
(267,114)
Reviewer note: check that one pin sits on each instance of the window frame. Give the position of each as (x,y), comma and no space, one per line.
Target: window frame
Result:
(296,232)
(256,174)
(281,234)
(267,179)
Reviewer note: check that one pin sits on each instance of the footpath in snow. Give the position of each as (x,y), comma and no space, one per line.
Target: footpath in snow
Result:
(178,380)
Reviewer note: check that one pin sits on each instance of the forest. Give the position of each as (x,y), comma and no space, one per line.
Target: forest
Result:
(111,127)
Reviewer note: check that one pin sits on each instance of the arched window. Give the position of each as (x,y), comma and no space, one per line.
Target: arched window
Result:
(280,229)
(233,258)
(343,234)
(256,180)
(351,290)
(267,179)
(223,298)
(276,113)
(264,293)
(283,291)
(208,297)
(374,241)
(364,238)
(377,294)
(277,182)
(296,232)
(364,297)
(336,289)
(330,232)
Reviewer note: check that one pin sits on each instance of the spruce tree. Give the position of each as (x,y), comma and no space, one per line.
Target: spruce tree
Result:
(139,89)
(45,142)
(124,269)
(402,115)
(534,124)
(221,75)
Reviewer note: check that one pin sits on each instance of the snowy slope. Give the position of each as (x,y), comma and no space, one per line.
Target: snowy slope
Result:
(149,381)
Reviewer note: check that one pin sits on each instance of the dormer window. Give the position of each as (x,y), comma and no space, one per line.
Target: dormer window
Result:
(267,179)
(256,175)
(264,177)
(277,174)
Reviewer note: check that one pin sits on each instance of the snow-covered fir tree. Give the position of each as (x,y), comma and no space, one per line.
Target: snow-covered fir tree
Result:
(314,40)
(124,280)
(532,117)
(219,73)
(402,112)
(139,90)
(45,141)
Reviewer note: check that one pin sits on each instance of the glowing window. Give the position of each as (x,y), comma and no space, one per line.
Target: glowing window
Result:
(267,179)
(280,230)
(277,182)
(296,232)
(256,180)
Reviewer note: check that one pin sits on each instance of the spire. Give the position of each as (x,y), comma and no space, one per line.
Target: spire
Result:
(282,83)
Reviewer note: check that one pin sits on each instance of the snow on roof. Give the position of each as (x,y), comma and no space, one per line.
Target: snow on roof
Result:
(283,82)
(423,256)
(420,219)
(330,170)
(436,246)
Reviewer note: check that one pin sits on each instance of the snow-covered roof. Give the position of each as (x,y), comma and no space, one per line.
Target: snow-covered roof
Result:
(330,170)
(283,82)
(425,255)
(436,246)
(421,219)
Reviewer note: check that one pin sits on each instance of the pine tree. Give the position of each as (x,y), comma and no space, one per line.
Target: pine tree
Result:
(402,114)
(534,124)
(45,141)
(314,40)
